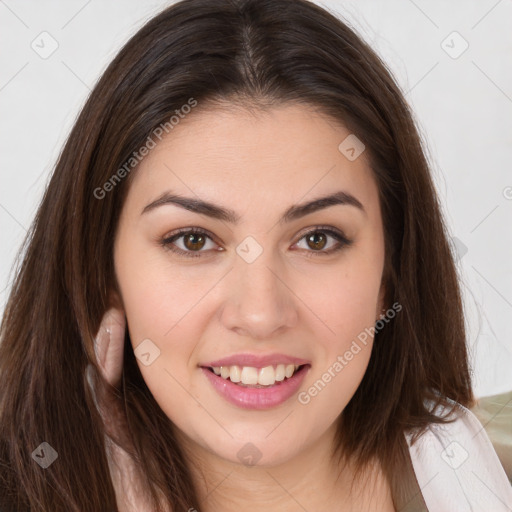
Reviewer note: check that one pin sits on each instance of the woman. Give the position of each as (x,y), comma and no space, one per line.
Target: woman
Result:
(238,290)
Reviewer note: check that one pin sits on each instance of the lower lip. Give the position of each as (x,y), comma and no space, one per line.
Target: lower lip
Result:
(257,398)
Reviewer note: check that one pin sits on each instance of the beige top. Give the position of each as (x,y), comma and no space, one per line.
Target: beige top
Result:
(455,467)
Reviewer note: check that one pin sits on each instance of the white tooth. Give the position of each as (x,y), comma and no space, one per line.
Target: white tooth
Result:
(266,376)
(234,373)
(280,372)
(288,371)
(249,375)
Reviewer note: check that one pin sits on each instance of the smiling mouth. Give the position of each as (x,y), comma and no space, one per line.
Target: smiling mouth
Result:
(255,394)
(251,377)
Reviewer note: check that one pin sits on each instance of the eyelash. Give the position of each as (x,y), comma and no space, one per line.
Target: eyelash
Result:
(168,241)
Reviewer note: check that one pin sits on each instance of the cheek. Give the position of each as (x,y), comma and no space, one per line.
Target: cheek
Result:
(344,351)
(346,302)
(161,308)
(156,296)
(344,299)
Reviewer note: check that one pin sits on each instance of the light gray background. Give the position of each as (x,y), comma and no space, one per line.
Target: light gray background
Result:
(463,108)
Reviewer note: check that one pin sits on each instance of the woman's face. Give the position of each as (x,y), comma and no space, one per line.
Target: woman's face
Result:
(255,282)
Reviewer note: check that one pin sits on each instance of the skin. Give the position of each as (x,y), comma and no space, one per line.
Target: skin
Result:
(199,309)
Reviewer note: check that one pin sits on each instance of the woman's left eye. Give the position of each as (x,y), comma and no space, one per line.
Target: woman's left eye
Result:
(318,239)
(195,239)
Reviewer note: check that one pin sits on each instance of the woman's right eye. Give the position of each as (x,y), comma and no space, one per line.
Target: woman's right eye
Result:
(193,241)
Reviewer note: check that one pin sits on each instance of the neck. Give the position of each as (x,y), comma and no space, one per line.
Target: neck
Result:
(311,480)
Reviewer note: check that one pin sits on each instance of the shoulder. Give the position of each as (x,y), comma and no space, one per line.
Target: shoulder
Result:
(456,465)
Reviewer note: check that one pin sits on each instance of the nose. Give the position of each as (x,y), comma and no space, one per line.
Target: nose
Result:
(259,303)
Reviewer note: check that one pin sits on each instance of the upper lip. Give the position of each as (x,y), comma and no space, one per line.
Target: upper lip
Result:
(256,361)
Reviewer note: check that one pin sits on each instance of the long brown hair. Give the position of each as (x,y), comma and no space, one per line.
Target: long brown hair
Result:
(251,52)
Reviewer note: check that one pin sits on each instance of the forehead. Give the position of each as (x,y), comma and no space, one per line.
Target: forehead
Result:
(235,156)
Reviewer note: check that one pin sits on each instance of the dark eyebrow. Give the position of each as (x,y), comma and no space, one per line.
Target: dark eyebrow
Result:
(225,214)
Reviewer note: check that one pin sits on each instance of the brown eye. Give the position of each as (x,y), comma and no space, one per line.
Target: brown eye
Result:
(194,241)
(316,240)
